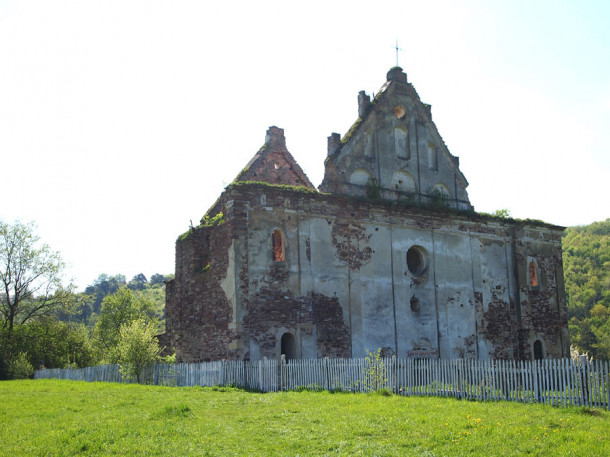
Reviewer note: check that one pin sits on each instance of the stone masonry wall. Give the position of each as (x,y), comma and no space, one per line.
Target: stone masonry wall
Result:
(198,312)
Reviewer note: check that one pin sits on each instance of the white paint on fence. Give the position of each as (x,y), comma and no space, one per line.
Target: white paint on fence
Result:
(562,382)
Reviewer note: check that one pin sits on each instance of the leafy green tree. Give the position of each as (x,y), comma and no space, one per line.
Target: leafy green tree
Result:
(138,282)
(157,279)
(30,276)
(137,348)
(52,343)
(30,288)
(600,326)
(81,311)
(156,297)
(103,286)
(120,308)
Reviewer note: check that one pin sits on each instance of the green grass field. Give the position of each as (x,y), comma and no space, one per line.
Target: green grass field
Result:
(48,417)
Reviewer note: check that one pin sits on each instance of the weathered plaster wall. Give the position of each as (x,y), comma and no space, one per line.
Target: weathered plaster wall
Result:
(347,286)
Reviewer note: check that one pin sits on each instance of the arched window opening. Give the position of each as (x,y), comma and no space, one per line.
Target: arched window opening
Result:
(278,246)
(533,274)
(432,157)
(288,346)
(360,177)
(538,354)
(401,143)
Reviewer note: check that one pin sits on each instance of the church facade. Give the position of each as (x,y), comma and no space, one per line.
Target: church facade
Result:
(387,254)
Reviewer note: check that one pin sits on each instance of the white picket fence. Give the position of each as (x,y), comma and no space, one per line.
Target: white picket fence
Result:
(561,382)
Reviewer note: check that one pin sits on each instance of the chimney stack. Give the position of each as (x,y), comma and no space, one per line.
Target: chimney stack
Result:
(364,103)
(334,144)
(275,138)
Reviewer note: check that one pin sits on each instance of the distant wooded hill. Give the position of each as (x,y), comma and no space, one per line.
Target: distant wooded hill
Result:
(586,263)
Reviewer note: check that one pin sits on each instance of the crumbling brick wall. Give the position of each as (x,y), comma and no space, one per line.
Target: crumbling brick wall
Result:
(543,309)
(198,313)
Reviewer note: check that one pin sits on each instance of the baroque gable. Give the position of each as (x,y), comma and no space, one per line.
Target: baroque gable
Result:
(394,150)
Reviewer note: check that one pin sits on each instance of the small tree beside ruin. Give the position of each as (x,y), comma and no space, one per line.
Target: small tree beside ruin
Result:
(374,373)
(137,349)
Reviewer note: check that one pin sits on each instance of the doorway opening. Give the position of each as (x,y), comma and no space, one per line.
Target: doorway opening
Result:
(289,346)
(538,354)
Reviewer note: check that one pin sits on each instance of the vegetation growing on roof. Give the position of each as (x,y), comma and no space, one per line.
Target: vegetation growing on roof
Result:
(504,216)
(211,221)
(241,173)
(304,189)
(356,125)
(206,221)
(186,234)
(353,129)
(501,213)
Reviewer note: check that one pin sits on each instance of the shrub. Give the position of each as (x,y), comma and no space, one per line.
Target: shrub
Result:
(20,367)
(375,373)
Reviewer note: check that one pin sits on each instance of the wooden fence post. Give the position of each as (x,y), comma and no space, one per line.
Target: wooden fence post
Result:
(395,365)
(585,378)
(283,372)
(535,379)
(261,374)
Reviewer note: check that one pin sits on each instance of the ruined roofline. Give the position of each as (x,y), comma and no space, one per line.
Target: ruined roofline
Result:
(273,163)
(389,205)
(422,209)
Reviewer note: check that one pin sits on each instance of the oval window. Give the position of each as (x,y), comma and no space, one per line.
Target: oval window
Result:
(416,260)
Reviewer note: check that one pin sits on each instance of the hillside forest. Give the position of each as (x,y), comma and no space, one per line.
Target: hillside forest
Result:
(65,328)
(586,266)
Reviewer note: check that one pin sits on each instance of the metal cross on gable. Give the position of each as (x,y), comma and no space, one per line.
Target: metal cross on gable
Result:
(397,49)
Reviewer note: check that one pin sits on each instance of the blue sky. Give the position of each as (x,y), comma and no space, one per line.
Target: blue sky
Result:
(121,121)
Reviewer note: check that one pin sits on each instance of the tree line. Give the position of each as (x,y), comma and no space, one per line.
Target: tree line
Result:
(586,264)
(46,323)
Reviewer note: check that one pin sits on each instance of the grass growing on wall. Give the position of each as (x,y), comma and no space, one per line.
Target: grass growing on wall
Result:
(50,417)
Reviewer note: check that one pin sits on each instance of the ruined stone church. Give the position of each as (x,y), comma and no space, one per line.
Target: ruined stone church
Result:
(388,253)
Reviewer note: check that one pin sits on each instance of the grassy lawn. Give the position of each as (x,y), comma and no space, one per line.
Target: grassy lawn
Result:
(48,417)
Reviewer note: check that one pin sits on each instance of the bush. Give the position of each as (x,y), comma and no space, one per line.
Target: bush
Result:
(20,367)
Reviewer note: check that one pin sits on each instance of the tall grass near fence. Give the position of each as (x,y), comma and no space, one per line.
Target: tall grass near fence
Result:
(562,382)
